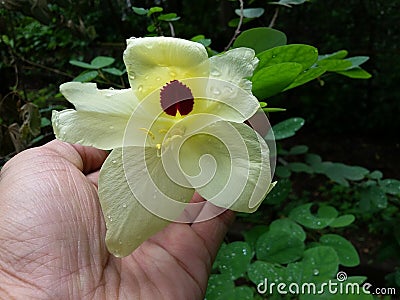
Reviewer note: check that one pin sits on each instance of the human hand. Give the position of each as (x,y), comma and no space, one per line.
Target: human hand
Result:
(52,236)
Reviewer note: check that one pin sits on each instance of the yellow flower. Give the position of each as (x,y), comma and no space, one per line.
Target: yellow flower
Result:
(177,130)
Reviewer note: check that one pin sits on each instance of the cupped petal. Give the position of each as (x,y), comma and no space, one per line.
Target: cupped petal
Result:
(88,128)
(137,198)
(222,98)
(87,97)
(234,66)
(128,222)
(228,164)
(152,62)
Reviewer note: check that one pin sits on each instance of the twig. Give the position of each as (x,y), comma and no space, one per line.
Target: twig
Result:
(274,17)
(45,67)
(171,27)
(237,31)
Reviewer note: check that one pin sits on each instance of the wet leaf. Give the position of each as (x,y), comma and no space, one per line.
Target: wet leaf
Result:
(320,263)
(303,215)
(234,259)
(260,39)
(287,128)
(279,247)
(304,55)
(345,251)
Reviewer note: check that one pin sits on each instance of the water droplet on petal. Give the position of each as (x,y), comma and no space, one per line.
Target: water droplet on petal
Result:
(114,161)
(140,88)
(315,272)
(215,73)
(215,91)
(124,205)
(111,127)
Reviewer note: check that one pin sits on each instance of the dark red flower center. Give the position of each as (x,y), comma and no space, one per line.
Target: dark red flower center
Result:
(176,97)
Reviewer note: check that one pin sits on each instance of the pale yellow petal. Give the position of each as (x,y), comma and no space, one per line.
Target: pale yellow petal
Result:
(152,62)
(234,66)
(134,195)
(128,223)
(228,164)
(87,97)
(88,128)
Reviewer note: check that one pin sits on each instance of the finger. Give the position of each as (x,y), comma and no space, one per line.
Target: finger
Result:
(213,231)
(86,159)
(94,178)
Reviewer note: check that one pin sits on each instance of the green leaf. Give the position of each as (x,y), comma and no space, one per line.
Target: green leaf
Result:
(279,247)
(390,186)
(114,71)
(342,221)
(218,284)
(298,167)
(356,73)
(297,150)
(251,12)
(140,11)
(102,61)
(336,55)
(339,172)
(271,80)
(287,128)
(357,60)
(376,175)
(44,122)
(335,65)
(81,64)
(171,17)
(260,270)
(306,76)
(154,9)
(260,39)
(234,259)
(313,159)
(151,28)
(374,197)
(303,215)
(86,76)
(297,53)
(289,3)
(282,172)
(320,264)
(235,22)
(279,193)
(237,293)
(288,226)
(345,251)
(251,236)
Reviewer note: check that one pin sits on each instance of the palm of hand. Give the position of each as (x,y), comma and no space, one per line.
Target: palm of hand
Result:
(52,234)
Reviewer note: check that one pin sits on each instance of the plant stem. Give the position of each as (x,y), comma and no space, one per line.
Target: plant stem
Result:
(237,31)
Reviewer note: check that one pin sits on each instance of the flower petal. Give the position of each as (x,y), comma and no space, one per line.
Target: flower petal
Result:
(131,184)
(228,164)
(222,98)
(87,97)
(99,130)
(152,62)
(234,66)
